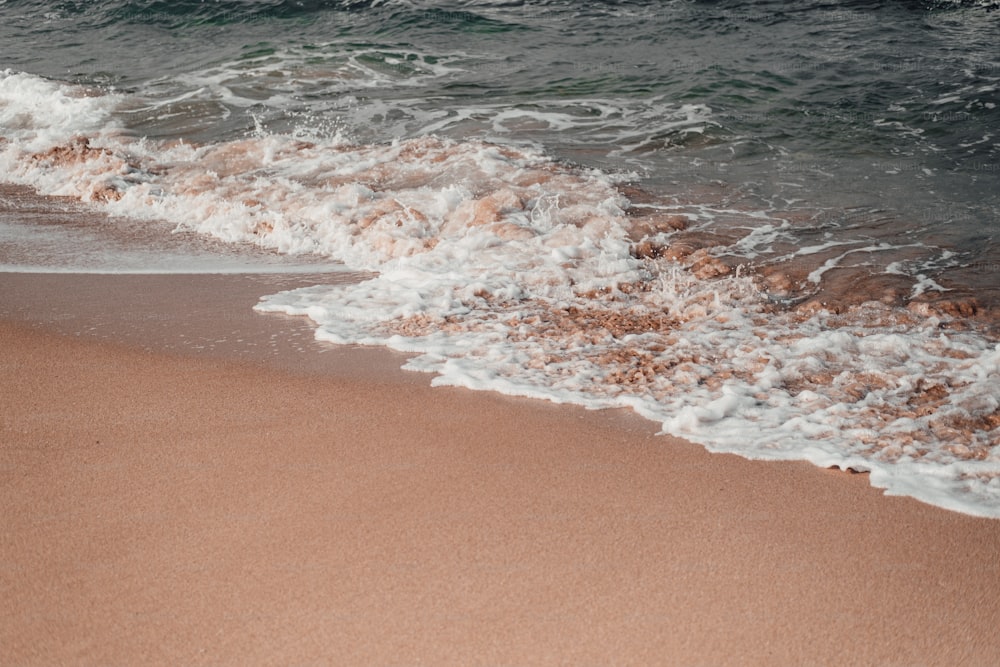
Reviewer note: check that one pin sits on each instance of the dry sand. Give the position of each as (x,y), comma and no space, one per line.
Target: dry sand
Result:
(245,503)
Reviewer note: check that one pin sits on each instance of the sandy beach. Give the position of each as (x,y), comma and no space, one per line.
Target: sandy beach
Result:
(179,494)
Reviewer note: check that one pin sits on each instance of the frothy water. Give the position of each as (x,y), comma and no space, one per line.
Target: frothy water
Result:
(597,241)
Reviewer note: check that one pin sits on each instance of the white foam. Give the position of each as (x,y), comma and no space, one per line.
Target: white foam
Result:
(37,112)
(500,269)
(629,125)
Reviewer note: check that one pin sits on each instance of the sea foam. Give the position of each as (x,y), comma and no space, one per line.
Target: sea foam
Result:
(503,269)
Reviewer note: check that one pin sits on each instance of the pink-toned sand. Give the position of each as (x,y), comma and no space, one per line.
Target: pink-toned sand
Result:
(180,507)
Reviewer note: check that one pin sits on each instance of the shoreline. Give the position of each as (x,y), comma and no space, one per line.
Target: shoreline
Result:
(243,502)
(192,315)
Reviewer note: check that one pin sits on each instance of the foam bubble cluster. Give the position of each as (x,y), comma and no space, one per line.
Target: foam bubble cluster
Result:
(500,268)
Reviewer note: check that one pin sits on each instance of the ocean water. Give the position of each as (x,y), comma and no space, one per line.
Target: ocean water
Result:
(770,227)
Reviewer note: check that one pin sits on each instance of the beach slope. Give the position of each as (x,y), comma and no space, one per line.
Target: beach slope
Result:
(166,509)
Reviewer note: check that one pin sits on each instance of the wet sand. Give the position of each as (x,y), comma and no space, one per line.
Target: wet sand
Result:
(183,489)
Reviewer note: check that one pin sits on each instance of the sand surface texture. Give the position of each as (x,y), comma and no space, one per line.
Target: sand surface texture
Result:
(174,506)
